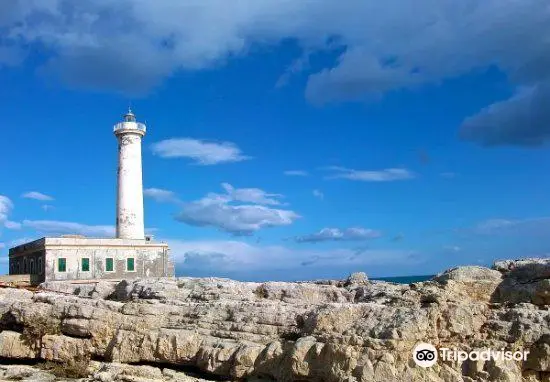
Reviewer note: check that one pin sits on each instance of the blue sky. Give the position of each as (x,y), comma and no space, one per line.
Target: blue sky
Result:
(285,140)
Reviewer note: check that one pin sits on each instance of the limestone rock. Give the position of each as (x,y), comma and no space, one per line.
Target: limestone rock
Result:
(526,280)
(539,359)
(469,274)
(24,373)
(524,269)
(357,278)
(15,345)
(332,331)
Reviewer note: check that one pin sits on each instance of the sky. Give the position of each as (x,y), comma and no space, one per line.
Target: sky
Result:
(286,140)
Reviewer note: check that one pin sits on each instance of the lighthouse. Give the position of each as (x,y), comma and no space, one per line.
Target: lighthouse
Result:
(128,256)
(129,206)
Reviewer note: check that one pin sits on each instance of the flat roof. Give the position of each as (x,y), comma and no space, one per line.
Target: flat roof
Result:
(82,242)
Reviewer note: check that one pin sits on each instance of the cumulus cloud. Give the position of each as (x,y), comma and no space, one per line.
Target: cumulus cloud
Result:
(160,195)
(53,227)
(378,47)
(523,119)
(6,206)
(251,195)
(236,219)
(386,175)
(224,212)
(234,255)
(296,173)
(36,196)
(240,211)
(201,152)
(336,234)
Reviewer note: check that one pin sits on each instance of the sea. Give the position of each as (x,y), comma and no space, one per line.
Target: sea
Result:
(405,279)
(398,279)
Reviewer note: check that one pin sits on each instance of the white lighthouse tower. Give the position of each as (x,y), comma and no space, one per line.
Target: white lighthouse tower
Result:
(129,218)
(128,256)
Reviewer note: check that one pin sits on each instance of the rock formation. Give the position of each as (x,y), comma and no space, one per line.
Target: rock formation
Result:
(218,329)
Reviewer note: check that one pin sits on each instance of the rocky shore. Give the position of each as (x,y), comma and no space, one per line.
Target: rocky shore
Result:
(208,329)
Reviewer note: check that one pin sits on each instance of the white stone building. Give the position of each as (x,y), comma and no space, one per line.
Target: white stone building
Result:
(130,255)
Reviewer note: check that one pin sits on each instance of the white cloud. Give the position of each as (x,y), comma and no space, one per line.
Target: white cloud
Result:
(378,51)
(318,194)
(37,196)
(160,195)
(239,219)
(296,173)
(251,195)
(387,175)
(493,224)
(53,227)
(523,119)
(521,227)
(12,225)
(378,46)
(233,255)
(200,151)
(222,212)
(336,234)
(6,206)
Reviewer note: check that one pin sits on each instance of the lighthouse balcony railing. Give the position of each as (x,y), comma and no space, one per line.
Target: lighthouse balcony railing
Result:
(130,126)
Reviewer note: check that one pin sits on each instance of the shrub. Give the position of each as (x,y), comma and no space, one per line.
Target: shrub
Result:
(261,291)
(75,368)
(37,328)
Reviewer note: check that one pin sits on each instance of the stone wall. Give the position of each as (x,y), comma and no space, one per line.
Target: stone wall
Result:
(149,262)
(150,259)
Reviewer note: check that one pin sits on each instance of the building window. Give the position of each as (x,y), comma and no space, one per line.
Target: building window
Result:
(62,264)
(130,264)
(85,264)
(40,265)
(109,264)
(32,266)
(24,265)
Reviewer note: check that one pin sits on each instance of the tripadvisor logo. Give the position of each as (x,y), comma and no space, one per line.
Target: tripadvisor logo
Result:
(426,355)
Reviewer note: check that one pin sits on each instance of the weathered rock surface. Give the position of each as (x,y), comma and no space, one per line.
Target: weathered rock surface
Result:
(524,281)
(351,330)
(98,371)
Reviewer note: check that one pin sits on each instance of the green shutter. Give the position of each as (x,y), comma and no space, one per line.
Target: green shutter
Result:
(130,266)
(62,265)
(85,264)
(109,264)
